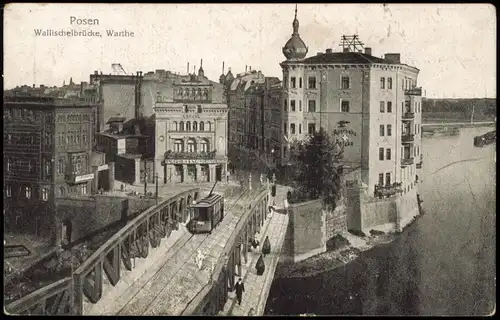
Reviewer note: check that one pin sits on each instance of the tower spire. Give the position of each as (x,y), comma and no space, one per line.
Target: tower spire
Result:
(295,23)
(295,11)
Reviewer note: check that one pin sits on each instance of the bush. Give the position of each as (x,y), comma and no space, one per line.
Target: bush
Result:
(266,246)
(376,232)
(336,242)
(358,233)
(260,266)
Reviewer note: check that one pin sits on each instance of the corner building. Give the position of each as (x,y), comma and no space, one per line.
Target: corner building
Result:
(191,131)
(370,106)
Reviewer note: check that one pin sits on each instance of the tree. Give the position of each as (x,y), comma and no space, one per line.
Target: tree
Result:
(318,170)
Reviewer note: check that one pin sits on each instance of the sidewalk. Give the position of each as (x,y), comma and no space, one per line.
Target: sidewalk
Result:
(257,287)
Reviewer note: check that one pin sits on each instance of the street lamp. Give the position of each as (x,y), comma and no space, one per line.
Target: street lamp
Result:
(145,179)
(156,179)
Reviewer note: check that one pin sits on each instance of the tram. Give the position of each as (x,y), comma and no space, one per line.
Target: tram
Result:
(207,213)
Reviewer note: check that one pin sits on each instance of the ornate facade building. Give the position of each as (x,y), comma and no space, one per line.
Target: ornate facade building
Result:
(370,106)
(47,154)
(191,131)
(254,103)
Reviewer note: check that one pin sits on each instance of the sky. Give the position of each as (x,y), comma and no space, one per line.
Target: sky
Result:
(453,45)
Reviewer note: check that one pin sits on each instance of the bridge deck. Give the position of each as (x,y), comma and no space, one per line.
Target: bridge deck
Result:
(174,280)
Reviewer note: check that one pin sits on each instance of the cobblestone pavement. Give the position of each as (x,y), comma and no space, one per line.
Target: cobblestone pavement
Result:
(257,287)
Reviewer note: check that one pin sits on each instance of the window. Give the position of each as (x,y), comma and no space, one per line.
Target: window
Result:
(388,154)
(300,82)
(389,83)
(195,126)
(209,124)
(188,126)
(83,189)
(300,105)
(175,126)
(345,82)
(8,191)
(292,105)
(388,179)
(178,145)
(191,145)
(30,165)
(382,106)
(380,179)
(312,82)
(382,129)
(202,126)
(389,106)
(381,153)
(9,164)
(27,191)
(292,128)
(382,83)
(181,126)
(285,107)
(344,106)
(311,106)
(292,82)
(284,151)
(285,128)
(389,130)
(204,145)
(403,84)
(45,194)
(311,128)
(300,128)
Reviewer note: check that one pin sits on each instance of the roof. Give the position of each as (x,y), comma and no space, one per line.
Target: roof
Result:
(116,119)
(208,201)
(344,57)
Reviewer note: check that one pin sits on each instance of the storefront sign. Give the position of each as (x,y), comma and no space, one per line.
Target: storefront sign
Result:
(103,167)
(343,138)
(85,177)
(191,161)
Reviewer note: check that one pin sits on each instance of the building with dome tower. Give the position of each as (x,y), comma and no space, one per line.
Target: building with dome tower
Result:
(370,106)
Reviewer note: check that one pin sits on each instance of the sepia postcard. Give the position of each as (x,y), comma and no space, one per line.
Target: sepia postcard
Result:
(290,159)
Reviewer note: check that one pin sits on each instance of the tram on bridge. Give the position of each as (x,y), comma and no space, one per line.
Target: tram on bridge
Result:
(207,213)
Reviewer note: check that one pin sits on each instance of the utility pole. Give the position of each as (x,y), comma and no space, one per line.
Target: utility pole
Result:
(156,179)
(145,179)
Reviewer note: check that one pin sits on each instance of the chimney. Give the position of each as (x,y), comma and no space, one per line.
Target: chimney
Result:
(34,86)
(368,51)
(250,68)
(95,72)
(346,50)
(328,51)
(246,68)
(222,67)
(188,68)
(319,53)
(393,57)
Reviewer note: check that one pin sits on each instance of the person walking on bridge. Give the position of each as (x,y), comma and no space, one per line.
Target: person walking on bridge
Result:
(240,288)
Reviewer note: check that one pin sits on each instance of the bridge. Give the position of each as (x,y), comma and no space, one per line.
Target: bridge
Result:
(154,266)
(452,125)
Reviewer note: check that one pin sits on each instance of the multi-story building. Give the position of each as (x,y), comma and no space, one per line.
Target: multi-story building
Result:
(47,154)
(254,103)
(191,131)
(370,106)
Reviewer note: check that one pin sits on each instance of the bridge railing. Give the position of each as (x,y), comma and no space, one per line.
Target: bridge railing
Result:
(239,236)
(133,240)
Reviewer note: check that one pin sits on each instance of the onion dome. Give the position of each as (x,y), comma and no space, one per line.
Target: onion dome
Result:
(295,48)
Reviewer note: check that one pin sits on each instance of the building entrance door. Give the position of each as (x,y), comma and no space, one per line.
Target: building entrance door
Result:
(218,173)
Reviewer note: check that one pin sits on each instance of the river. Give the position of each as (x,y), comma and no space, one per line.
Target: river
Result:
(444,264)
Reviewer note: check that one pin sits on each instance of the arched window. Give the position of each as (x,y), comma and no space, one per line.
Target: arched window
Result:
(188,126)
(209,126)
(9,164)
(175,126)
(195,126)
(193,93)
(60,166)
(62,191)
(179,145)
(181,126)
(204,145)
(191,145)
(202,126)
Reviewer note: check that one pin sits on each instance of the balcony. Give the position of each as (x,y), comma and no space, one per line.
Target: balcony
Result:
(210,155)
(408,138)
(414,92)
(78,177)
(408,116)
(407,161)
(387,191)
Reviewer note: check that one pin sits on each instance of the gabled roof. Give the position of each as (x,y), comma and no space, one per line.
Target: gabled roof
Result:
(344,57)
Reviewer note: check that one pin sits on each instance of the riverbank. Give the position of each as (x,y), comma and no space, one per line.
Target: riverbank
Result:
(331,260)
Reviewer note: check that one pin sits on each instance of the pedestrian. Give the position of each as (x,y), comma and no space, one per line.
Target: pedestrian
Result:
(240,288)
